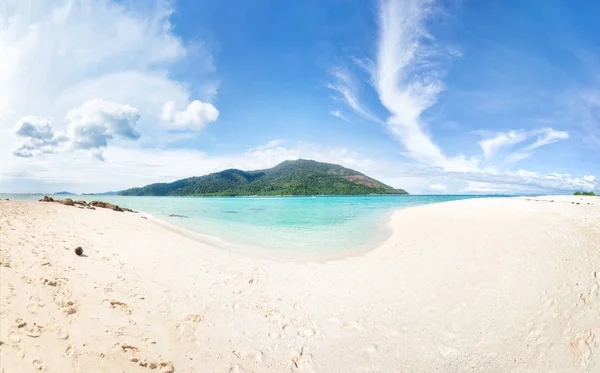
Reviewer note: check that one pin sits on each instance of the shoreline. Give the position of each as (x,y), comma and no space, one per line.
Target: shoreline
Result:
(383,233)
(494,285)
(253,251)
(380,232)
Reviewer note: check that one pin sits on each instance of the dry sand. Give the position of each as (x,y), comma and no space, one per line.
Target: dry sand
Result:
(487,285)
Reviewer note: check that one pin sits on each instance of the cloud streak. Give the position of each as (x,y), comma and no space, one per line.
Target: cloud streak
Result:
(346,87)
(498,144)
(338,114)
(404,78)
(407,78)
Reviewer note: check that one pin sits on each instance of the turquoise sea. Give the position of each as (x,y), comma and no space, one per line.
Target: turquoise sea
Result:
(333,224)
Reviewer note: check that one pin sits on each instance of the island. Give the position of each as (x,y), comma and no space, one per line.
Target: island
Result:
(300,177)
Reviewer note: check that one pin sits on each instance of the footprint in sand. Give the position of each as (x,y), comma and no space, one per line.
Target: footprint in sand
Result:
(187,327)
(68,307)
(38,364)
(69,351)
(584,345)
(303,361)
(356,325)
(5,260)
(47,282)
(129,348)
(35,331)
(372,349)
(34,304)
(307,333)
(163,366)
(20,323)
(27,280)
(275,335)
(249,354)
(14,337)
(62,334)
(18,351)
(123,306)
(448,352)
(11,291)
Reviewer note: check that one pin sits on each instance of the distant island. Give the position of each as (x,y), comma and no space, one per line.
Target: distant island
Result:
(101,194)
(63,193)
(290,178)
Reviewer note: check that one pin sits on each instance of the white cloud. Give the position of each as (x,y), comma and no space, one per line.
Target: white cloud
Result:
(549,136)
(338,114)
(90,127)
(35,128)
(269,145)
(97,121)
(480,187)
(38,137)
(455,52)
(34,147)
(196,116)
(589,178)
(582,109)
(490,147)
(405,77)
(531,183)
(507,140)
(347,88)
(438,187)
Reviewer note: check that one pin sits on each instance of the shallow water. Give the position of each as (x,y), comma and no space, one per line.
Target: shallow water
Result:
(333,224)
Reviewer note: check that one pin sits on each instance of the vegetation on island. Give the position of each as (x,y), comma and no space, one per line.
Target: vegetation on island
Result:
(290,178)
(584,194)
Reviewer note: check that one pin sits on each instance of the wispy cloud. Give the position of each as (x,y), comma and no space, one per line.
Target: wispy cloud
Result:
(408,78)
(407,74)
(582,109)
(508,140)
(338,114)
(347,88)
(405,78)
(491,146)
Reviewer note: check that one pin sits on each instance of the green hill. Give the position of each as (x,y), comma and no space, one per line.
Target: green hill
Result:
(290,178)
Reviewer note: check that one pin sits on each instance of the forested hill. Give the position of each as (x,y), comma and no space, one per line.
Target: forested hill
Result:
(290,178)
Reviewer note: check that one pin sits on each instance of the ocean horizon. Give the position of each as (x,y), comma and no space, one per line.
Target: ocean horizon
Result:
(278,224)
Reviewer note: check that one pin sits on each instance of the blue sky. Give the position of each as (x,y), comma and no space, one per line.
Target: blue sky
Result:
(430,96)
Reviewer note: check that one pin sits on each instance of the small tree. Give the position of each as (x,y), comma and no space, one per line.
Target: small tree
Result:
(584,193)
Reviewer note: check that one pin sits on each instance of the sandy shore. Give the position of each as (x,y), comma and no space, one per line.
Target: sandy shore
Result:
(487,285)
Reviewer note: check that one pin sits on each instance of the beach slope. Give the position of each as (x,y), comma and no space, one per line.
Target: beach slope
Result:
(483,285)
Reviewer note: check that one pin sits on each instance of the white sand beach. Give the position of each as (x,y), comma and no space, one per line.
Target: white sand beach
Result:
(483,285)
